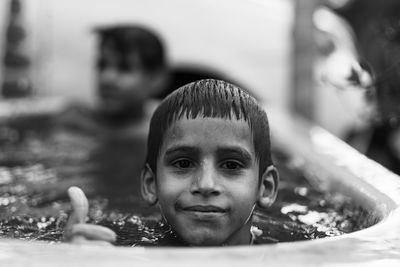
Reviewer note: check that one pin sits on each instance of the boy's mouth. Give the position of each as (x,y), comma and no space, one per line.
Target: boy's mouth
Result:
(204,209)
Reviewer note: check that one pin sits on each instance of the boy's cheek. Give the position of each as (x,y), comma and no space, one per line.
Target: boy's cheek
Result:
(172,181)
(168,186)
(169,192)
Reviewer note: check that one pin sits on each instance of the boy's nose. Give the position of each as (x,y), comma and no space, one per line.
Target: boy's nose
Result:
(206,181)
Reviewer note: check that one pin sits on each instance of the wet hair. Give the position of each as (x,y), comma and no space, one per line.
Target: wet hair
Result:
(210,98)
(132,39)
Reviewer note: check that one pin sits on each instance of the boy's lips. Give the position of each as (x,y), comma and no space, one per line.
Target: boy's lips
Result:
(203,208)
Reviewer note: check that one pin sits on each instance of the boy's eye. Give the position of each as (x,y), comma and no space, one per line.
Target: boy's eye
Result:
(182,164)
(232,165)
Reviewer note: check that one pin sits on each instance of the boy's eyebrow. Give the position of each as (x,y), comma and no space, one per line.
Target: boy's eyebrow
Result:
(221,151)
(236,151)
(182,149)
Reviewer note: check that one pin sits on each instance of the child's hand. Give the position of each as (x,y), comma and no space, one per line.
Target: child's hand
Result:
(77,231)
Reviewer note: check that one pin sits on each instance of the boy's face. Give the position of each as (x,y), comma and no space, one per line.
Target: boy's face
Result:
(122,81)
(207,180)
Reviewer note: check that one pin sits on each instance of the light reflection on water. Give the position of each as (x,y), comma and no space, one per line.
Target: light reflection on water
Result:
(39,161)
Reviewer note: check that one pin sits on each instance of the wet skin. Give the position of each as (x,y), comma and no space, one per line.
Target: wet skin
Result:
(207,181)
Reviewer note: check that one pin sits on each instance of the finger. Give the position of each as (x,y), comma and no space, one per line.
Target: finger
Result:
(80,205)
(94,232)
(80,209)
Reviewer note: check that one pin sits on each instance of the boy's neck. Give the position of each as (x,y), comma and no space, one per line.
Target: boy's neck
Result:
(128,116)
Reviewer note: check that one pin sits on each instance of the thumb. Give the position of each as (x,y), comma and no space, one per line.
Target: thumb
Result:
(80,208)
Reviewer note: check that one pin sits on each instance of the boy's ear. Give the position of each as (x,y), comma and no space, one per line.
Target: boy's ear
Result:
(268,187)
(148,185)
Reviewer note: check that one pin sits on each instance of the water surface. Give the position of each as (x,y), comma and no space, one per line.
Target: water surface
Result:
(39,160)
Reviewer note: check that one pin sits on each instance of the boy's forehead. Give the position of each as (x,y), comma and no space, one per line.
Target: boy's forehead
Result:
(214,130)
(209,123)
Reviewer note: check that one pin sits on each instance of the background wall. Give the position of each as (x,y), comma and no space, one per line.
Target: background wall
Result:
(249,40)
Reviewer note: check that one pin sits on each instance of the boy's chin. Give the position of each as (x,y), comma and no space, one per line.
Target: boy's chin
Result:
(202,240)
(108,106)
(116,108)
(204,237)
(213,236)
